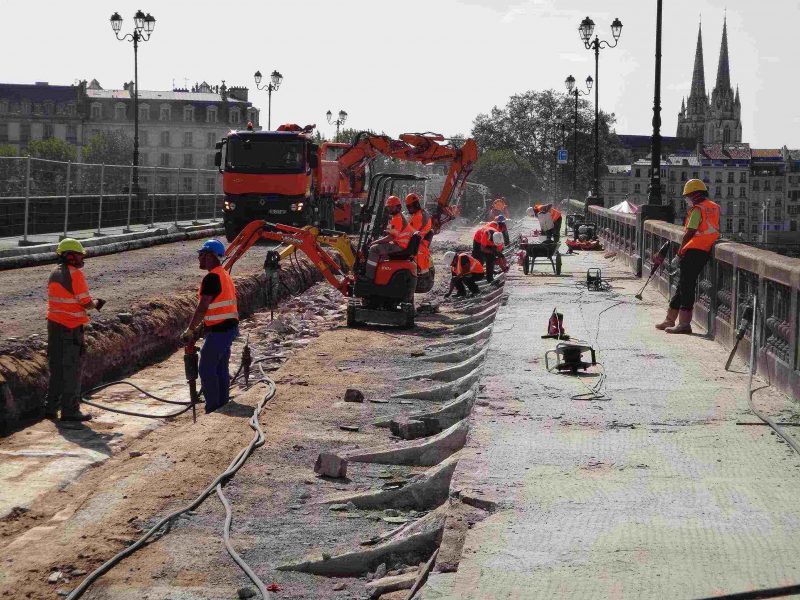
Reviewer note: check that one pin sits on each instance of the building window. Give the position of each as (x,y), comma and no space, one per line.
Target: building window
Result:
(97,111)
(210,184)
(612,186)
(730,178)
(793,226)
(165,139)
(188,141)
(683,175)
(754,228)
(3,107)
(143,158)
(164,160)
(119,112)
(144,112)
(743,177)
(3,132)
(741,224)
(211,114)
(144,138)
(188,160)
(695,174)
(24,132)
(637,188)
(163,184)
(26,107)
(730,191)
(779,186)
(72,134)
(71,109)
(742,192)
(211,140)
(638,173)
(164,113)
(47,131)
(742,208)
(187,184)
(210,161)
(767,185)
(756,185)
(236,116)
(188,113)
(48,108)
(624,187)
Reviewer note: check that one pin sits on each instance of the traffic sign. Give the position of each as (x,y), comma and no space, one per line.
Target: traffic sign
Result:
(562,156)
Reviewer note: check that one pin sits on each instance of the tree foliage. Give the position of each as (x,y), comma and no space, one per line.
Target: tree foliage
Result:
(109,147)
(519,143)
(52,149)
(6,151)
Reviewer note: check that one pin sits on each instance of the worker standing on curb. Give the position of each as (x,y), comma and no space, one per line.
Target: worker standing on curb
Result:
(420,221)
(218,314)
(398,236)
(68,302)
(700,233)
(466,271)
(550,221)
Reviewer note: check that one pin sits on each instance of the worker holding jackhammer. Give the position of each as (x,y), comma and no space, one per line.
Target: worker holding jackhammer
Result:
(487,247)
(398,236)
(701,231)
(216,317)
(68,304)
(550,221)
(465,272)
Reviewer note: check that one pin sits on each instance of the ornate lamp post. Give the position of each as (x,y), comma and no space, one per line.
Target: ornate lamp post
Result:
(338,122)
(275,82)
(143,25)
(571,89)
(560,129)
(586,30)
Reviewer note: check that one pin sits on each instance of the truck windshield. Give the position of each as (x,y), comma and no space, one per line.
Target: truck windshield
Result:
(259,154)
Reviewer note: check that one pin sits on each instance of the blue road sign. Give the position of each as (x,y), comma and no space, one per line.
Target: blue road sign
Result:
(562,156)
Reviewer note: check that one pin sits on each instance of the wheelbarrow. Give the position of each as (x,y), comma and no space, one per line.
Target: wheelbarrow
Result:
(534,250)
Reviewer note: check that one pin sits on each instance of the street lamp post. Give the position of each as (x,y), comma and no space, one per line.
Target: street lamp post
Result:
(586,30)
(559,128)
(654,196)
(143,25)
(571,89)
(275,82)
(338,122)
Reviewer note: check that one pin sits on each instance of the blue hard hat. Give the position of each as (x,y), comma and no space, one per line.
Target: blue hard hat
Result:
(501,218)
(213,246)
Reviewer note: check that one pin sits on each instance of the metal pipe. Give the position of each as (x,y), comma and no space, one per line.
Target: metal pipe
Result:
(66,199)
(153,201)
(100,206)
(130,201)
(655,148)
(27,196)
(196,196)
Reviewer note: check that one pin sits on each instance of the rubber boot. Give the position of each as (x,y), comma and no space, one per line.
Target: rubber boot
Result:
(669,320)
(684,322)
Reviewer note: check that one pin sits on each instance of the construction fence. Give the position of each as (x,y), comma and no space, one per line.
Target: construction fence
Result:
(39,196)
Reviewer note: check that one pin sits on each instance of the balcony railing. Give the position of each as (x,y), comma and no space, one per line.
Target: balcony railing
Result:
(735,273)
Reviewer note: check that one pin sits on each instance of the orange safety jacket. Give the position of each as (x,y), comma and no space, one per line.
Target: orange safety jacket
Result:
(554,212)
(223,306)
(400,231)
(475,266)
(421,221)
(708,231)
(68,297)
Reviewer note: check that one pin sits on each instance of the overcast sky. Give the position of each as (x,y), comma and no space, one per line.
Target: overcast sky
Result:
(416,65)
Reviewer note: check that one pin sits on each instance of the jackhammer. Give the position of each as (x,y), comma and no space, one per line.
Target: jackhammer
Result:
(744,324)
(662,252)
(191,365)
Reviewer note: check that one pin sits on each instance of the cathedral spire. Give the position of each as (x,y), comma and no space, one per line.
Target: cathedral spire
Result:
(723,70)
(698,75)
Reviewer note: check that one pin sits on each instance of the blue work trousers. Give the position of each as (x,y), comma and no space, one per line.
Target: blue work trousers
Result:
(214,374)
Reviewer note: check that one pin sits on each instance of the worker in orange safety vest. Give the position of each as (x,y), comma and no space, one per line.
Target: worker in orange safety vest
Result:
(499,207)
(547,214)
(398,236)
(487,247)
(420,221)
(217,318)
(701,231)
(465,272)
(68,303)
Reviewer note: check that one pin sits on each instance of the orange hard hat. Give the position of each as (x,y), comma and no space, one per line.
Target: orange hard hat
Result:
(392,201)
(411,198)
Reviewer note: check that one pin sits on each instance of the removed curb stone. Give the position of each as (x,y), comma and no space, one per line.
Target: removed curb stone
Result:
(331,465)
(353,395)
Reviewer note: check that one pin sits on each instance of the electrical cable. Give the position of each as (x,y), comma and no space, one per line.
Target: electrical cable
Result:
(215,486)
(130,413)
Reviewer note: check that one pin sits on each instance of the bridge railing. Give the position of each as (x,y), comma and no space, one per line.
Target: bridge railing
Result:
(729,280)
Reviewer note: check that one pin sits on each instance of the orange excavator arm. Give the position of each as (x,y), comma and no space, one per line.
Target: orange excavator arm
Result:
(304,240)
(424,148)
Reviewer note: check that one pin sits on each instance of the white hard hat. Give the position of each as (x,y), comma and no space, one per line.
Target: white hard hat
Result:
(497,238)
(448,257)
(530,212)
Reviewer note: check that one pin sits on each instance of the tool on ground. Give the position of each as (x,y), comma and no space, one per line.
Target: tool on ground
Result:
(569,357)
(247,360)
(662,252)
(594,279)
(271,268)
(555,327)
(100,303)
(744,322)
(191,366)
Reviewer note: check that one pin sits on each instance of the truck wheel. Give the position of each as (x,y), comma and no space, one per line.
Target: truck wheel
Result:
(558,264)
(525,266)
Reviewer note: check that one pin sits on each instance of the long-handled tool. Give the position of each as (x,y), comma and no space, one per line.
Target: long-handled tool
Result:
(744,323)
(191,365)
(662,252)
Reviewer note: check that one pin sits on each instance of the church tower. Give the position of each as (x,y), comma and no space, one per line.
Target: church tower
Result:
(724,125)
(693,116)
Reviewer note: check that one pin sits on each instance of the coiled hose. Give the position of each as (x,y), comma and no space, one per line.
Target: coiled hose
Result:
(215,486)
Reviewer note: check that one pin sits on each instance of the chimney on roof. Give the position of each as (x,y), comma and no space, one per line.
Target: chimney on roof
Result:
(238,92)
(42,83)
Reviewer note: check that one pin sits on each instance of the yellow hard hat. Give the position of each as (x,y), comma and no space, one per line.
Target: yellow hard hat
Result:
(694,185)
(70,245)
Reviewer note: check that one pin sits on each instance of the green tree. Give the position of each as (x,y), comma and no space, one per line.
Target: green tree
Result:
(6,151)
(52,149)
(526,128)
(499,169)
(109,147)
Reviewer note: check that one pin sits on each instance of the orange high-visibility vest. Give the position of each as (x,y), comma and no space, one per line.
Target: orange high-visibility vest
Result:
(420,221)
(555,214)
(223,306)
(708,231)
(400,231)
(475,266)
(68,297)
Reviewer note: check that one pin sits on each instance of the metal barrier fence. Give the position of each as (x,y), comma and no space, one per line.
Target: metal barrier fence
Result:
(729,280)
(40,196)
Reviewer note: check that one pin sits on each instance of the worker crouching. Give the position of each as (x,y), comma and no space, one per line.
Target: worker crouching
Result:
(68,303)
(218,314)
(701,231)
(550,221)
(466,271)
(398,236)
(487,247)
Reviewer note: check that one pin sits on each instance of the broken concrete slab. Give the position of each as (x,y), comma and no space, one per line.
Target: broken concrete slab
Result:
(422,453)
(409,429)
(331,465)
(393,583)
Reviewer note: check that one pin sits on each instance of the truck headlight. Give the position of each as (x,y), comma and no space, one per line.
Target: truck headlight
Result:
(230,205)
(296,207)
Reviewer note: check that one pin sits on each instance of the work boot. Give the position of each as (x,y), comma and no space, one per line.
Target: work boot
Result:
(669,320)
(77,417)
(50,413)
(684,322)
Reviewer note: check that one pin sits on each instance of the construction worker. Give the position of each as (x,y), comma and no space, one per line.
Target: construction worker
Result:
(218,314)
(499,207)
(701,231)
(550,221)
(465,271)
(487,247)
(420,221)
(68,302)
(502,227)
(398,236)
